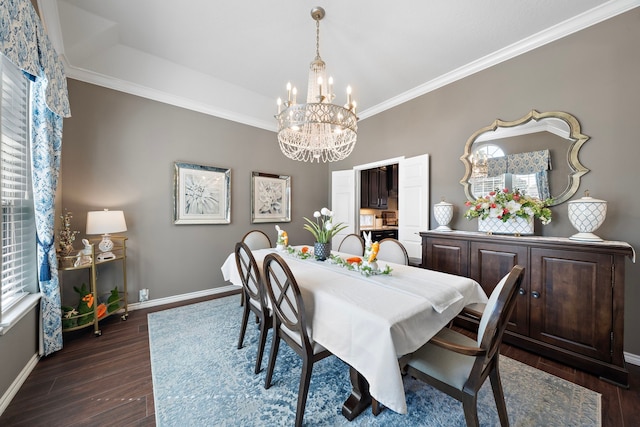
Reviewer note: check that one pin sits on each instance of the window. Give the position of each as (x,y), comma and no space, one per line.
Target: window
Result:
(18,222)
(526,184)
(483,185)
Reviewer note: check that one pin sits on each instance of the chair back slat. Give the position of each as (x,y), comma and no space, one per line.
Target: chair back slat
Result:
(285,296)
(497,312)
(249,273)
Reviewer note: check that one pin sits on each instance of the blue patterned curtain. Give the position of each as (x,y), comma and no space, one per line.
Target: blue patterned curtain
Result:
(24,41)
(528,163)
(496,166)
(45,158)
(533,162)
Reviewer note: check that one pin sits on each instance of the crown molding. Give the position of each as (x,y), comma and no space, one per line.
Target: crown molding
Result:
(608,10)
(566,28)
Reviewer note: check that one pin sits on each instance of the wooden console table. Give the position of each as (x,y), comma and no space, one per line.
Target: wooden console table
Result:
(571,304)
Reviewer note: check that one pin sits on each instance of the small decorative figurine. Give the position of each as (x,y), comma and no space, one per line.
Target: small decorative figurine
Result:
(283,239)
(84,255)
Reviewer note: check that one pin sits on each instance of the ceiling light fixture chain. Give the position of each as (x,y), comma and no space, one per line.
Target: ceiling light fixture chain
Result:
(317,130)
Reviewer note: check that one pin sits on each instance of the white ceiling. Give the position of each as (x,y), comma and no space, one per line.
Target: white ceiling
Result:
(232,59)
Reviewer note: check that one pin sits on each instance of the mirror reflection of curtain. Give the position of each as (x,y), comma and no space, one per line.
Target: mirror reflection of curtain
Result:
(533,162)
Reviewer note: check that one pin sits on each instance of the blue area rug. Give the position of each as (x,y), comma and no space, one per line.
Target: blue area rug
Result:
(201,379)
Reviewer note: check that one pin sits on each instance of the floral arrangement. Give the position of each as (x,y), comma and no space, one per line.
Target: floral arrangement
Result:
(505,205)
(323,228)
(302,253)
(66,236)
(356,264)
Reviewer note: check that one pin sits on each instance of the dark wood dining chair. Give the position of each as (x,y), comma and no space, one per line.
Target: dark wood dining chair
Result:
(392,250)
(257,239)
(291,325)
(352,244)
(458,365)
(255,298)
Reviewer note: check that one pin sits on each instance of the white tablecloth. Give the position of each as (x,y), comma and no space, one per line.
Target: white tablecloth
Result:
(369,322)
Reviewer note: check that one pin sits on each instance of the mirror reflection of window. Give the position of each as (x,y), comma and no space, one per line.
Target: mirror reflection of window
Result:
(525,183)
(481,184)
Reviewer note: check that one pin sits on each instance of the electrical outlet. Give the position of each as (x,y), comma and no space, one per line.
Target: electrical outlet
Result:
(144,295)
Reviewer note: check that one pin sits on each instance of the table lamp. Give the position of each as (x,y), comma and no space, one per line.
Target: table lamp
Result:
(105,222)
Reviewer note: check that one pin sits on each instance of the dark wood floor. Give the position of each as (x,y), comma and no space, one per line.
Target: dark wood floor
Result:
(106,381)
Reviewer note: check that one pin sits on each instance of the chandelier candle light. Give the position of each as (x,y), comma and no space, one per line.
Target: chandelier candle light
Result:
(317,130)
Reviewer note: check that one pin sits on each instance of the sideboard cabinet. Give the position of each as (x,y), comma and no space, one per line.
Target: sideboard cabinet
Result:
(570,306)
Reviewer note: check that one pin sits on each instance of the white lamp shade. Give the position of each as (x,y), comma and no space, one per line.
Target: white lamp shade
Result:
(105,222)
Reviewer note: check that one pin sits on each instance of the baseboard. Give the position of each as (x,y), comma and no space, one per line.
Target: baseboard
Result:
(633,359)
(13,389)
(182,297)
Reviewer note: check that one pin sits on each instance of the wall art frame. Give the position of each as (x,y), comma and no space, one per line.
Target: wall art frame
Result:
(270,197)
(202,194)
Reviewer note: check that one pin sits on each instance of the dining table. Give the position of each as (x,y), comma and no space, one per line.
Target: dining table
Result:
(370,321)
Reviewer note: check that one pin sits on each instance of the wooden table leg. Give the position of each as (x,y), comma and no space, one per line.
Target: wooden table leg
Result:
(360,398)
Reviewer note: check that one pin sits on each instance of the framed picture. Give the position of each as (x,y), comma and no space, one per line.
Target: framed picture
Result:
(270,198)
(202,194)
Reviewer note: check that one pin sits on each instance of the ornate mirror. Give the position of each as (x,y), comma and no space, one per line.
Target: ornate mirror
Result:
(537,153)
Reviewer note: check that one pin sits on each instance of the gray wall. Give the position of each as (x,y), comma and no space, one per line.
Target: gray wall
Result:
(118,152)
(592,74)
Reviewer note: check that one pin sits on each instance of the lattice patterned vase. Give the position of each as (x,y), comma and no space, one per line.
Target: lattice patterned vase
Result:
(587,215)
(322,250)
(518,226)
(443,213)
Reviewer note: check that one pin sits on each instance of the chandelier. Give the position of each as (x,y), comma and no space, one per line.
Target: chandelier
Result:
(317,130)
(479,165)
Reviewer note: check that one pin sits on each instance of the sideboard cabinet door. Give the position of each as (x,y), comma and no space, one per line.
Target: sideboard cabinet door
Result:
(446,255)
(572,300)
(490,262)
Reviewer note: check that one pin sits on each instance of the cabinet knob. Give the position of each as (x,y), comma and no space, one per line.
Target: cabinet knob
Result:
(535,294)
(521,291)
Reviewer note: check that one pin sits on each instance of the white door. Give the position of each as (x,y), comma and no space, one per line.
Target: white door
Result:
(413,202)
(343,202)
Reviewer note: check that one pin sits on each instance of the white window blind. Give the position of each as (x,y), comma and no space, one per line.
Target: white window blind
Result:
(526,183)
(18,223)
